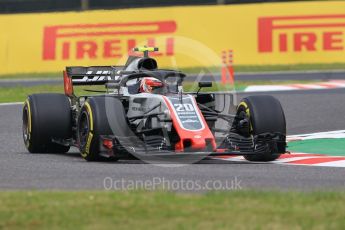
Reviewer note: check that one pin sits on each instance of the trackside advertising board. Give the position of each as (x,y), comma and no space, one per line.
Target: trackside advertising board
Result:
(259,34)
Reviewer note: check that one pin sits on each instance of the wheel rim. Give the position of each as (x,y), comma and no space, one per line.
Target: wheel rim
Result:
(25,127)
(241,112)
(84,129)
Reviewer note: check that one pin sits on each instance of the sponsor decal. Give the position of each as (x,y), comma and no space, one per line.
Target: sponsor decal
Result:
(277,34)
(90,78)
(140,109)
(307,33)
(87,79)
(105,40)
(186,113)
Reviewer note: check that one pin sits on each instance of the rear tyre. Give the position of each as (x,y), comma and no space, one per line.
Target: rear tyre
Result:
(93,122)
(46,117)
(265,115)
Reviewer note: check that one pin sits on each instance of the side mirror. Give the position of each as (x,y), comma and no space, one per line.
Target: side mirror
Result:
(204,84)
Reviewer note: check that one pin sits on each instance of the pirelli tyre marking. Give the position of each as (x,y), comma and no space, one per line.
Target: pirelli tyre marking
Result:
(88,143)
(88,108)
(90,136)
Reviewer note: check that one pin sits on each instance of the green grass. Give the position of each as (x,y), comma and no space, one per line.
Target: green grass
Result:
(19,93)
(31,75)
(238,69)
(328,146)
(163,210)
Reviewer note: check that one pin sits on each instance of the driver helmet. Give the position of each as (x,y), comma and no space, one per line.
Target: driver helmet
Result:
(149,84)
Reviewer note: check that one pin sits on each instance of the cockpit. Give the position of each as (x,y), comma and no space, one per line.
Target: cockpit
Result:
(150,79)
(149,84)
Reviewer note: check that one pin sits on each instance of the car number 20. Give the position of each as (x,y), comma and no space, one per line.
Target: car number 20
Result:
(187,107)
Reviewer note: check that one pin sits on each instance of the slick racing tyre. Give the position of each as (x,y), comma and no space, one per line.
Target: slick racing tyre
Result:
(265,115)
(46,117)
(93,123)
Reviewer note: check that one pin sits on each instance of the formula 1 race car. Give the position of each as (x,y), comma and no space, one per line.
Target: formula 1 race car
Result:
(144,113)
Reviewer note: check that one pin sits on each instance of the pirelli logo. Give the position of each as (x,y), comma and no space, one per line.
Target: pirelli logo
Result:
(308,33)
(105,41)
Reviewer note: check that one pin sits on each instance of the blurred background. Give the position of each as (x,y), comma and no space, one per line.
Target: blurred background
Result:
(19,6)
(247,45)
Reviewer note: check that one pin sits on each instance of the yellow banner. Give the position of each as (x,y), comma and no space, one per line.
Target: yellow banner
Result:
(258,34)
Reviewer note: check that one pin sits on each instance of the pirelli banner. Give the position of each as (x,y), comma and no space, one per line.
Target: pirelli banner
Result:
(259,34)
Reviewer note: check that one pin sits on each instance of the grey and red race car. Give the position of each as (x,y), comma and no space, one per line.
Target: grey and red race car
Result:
(144,113)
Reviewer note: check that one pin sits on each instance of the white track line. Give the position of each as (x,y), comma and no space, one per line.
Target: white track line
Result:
(311,86)
(290,161)
(292,72)
(11,103)
(318,135)
(333,164)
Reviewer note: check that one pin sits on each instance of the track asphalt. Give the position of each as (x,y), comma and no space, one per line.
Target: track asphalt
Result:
(306,112)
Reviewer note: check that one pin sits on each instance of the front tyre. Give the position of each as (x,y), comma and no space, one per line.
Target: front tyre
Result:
(265,115)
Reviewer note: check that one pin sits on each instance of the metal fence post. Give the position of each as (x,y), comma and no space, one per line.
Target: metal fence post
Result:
(84,4)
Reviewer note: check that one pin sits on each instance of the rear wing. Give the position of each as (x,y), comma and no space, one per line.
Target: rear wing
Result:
(93,75)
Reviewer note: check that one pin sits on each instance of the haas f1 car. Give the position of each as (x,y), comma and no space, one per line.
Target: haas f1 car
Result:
(143,112)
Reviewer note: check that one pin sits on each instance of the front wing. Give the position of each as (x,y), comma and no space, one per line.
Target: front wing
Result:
(234,144)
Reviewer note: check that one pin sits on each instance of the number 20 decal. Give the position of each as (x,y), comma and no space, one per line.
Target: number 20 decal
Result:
(184,107)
